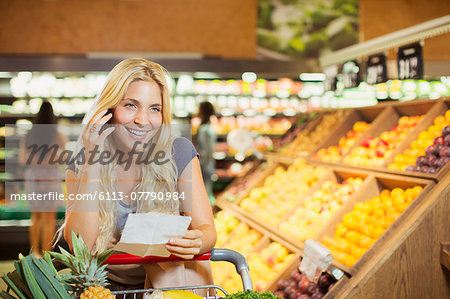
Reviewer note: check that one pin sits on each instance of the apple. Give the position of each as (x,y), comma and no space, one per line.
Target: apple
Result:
(292,284)
(446,131)
(420,161)
(289,291)
(381,142)
(438,140)
(324,282)
(351,134)
(296,275)
(317,295)
(298,294)
(331,286)
(411,168)
(432,170)
(366,142)
(282,284)
(311,288)
(429,150)
(445,151)
(379,153)
(303,296)
(302,284)
(437,149)
(447,140)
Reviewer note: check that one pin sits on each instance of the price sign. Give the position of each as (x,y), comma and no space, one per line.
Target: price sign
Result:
(350,74)
(410,62)
(330,77)
(316,258)
(376,69)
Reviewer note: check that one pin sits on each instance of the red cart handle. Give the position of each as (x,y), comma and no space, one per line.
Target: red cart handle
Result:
(121,259)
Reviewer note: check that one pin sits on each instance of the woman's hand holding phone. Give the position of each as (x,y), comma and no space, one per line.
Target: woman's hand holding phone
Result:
(187,246)
(94,134)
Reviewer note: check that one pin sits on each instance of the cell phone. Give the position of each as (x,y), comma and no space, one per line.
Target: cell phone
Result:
(105,126)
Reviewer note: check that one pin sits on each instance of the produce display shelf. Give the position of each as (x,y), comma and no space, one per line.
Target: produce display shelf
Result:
(371,115)
(266,239)
(373,186)
(269,236)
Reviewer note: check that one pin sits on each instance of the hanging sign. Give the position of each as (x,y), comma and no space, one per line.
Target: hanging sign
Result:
(330,77)
(350,74)
(376,69)
(410,62)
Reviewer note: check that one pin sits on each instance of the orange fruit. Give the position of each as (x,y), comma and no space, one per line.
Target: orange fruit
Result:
(397,192)
(417,190)
(439,120)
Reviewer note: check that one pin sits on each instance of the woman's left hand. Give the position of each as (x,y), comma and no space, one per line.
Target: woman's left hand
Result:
(187,246)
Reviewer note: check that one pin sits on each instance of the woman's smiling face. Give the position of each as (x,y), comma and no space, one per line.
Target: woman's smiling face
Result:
(138,115)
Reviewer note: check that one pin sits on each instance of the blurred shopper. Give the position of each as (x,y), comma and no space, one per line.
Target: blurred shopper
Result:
(206,140)
(41,177)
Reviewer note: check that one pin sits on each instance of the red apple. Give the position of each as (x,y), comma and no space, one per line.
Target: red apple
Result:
(445,151)
(317,295)
(302,284)
(447,140)
(420,160)
(366,142)
(311,288)
(437,149)
(379,153)
(381,142)
(351,134)
(446,131)
(324,282)
(282,284)
(429,150)
(438,140)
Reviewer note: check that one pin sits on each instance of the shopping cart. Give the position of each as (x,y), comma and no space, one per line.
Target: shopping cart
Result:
(217,254)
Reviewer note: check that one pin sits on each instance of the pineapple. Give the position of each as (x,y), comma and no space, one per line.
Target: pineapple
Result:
(88,276)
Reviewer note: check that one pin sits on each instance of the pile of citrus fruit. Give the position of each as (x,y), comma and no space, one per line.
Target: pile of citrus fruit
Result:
(361,227)
(418,146)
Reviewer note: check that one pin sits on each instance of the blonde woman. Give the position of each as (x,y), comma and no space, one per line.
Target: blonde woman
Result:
(131,116)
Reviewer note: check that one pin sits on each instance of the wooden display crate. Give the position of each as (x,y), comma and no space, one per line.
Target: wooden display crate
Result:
(390,118)
(311,125)
(259,222)
(371,115)
(438,109)
(377,182)
(336,176)
(265,240)
(258,181)
(339,285)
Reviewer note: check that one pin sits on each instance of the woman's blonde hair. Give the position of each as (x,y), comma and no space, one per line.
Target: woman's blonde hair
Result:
(154,177)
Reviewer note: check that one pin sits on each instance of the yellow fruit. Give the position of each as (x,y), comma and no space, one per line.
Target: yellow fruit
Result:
(179,294)
(95,292)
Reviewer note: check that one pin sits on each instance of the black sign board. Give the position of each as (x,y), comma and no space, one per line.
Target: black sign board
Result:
(350,74)
(376,69)
(330,78)
(410,62)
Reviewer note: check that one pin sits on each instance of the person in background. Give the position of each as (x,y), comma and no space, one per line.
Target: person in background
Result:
(41,177)
(206,140)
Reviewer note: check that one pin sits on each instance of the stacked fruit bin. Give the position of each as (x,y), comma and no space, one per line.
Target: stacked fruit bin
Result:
(328,200)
